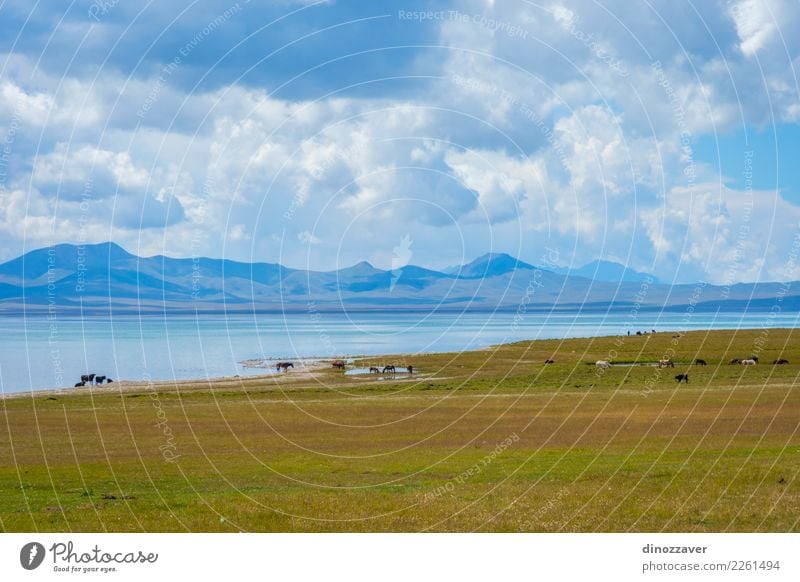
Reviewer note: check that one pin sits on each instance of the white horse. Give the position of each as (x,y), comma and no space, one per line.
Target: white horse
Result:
(748,362)
(602,364)
(665,363)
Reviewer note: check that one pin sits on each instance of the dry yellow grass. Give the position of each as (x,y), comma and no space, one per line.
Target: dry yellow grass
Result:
(492,440)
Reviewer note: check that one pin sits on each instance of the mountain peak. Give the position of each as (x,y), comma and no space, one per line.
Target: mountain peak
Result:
(362,268)
(491,265)
(608,271)
(36,263)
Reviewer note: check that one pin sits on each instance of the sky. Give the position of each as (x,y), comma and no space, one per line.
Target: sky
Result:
(660,135)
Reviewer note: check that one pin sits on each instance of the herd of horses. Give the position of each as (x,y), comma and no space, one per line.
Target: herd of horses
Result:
(668,363)
(341,365)
(92,379)
(390,369)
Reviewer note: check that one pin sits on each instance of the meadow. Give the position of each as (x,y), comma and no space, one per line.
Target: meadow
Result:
(492,440)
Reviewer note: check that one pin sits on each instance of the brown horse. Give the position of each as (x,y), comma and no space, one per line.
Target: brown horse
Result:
(374,370)
(284,366)
(389,368)
(339,364)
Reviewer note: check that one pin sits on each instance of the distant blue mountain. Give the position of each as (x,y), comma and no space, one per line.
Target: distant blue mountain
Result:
(491,265)
(103,277)
(607,271)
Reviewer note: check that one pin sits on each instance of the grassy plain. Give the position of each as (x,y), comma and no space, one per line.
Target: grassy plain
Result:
(489,440)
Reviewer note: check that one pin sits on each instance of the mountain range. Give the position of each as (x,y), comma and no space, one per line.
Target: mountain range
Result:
(105,277)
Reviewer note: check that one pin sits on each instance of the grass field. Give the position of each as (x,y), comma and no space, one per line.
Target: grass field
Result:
(491,440)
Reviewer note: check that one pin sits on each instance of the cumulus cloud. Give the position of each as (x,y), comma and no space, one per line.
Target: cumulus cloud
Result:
(570,125)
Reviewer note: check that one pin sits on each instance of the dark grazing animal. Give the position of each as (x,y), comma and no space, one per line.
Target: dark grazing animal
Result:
(699,362)
(780,362)
(735,361)
(284,366)
(410,369)
(374,370)
(79,384)
(338,364)
(389,368)
(682,378)
(99,379)
(549,361)
(87,377)
(109,381)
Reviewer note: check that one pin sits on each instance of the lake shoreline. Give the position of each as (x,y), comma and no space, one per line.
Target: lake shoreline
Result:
(308,368)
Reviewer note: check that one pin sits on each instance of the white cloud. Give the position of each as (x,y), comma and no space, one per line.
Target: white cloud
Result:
(521,141)
(755,24)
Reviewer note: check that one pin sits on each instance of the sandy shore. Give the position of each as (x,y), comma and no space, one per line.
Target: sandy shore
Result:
(306,369)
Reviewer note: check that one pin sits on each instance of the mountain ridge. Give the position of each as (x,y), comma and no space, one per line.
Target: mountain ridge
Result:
(105,276)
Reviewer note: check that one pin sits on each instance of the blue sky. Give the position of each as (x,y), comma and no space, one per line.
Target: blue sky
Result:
(660,135)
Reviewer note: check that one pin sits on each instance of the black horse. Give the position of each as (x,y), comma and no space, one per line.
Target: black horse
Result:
(682,378)
(87,377)
(780,362)
(79,384)
(99,379)
(284,366)
(389,368)
(699,362)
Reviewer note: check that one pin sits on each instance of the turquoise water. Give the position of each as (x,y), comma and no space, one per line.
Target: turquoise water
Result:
(38,353)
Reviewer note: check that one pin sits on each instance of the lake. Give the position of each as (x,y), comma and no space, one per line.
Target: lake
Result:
(38,353)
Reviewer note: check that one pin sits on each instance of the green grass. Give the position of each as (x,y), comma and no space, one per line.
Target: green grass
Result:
(623,450)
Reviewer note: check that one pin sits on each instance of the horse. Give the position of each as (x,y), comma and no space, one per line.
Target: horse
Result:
(750,362)
(374,370)
(99,379)
(735,361)
(602,364)
(79,384)
(338,364)
(389,368)
(699,362)
(666,363)
(109,381)
(549,361)
(284,366)
(754,358)
(410,369)
(682,378)
(780,362)
(87,378)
